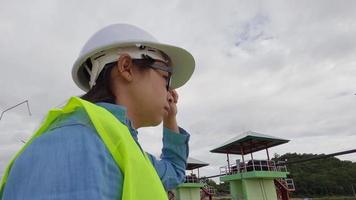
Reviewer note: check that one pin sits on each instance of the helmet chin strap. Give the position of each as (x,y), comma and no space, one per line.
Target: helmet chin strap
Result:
(100,59)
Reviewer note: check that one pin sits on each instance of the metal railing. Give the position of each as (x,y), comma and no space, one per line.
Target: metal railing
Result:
(286,183)
(290,184)
(281,166)
(252,165)
(191,179)
(209,189)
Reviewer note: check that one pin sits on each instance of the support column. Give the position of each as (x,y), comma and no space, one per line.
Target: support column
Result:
(228,163)
(268,160)
(243,159)
(253,163)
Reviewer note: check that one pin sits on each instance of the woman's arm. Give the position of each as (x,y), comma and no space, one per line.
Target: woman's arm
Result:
(171,166)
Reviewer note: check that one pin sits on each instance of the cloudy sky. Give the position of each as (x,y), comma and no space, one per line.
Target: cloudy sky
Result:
(281,68)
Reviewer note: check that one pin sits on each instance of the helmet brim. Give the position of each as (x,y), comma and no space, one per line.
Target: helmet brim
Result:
(182,63)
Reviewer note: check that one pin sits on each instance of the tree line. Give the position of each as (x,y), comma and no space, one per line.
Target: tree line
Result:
(322,177)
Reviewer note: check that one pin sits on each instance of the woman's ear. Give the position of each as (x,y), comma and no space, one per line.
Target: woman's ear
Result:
(125,67)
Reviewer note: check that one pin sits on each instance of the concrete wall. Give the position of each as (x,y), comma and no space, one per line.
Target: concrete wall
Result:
(236,190)
(187,193)
(259,189)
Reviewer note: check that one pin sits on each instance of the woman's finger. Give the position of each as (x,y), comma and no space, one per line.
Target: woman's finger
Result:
(175,96)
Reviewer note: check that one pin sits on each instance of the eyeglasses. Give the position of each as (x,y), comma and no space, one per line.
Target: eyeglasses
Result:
(149,62)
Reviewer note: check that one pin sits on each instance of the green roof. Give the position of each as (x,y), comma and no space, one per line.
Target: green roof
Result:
(248,142)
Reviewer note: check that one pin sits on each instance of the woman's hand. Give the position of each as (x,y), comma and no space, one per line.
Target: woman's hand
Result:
(169,120)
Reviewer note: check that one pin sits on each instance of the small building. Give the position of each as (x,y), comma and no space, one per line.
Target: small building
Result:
(254,179)
(193,187)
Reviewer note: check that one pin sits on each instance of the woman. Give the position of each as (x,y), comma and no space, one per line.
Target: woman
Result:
(89,148)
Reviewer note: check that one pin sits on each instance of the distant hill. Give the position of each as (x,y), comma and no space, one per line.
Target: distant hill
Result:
(324,177)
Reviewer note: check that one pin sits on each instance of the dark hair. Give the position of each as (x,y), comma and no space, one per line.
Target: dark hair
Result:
(102,91)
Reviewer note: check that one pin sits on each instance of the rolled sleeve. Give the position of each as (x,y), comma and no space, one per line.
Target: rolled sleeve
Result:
(171,167)
(171,137)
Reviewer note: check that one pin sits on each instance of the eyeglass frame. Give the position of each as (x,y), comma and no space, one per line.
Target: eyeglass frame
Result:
(151,65)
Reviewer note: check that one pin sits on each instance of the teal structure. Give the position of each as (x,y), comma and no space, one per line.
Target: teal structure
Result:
(192,188)
(254,179)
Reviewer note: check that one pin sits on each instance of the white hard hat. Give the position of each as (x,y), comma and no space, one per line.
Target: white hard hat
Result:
(125,35)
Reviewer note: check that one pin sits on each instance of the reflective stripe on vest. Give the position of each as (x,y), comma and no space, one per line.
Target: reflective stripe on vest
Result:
(140,177)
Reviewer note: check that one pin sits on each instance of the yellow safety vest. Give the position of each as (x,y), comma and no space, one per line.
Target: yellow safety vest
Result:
(141,181)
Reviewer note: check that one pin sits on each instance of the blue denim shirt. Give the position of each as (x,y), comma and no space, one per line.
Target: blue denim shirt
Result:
(70,161)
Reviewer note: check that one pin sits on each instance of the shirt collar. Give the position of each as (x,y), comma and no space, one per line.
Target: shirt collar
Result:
(120,112)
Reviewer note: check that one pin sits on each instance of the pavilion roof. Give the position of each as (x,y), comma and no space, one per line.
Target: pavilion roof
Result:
(248,142)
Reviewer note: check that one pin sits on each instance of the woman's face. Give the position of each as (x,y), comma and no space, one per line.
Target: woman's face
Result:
(152,95)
